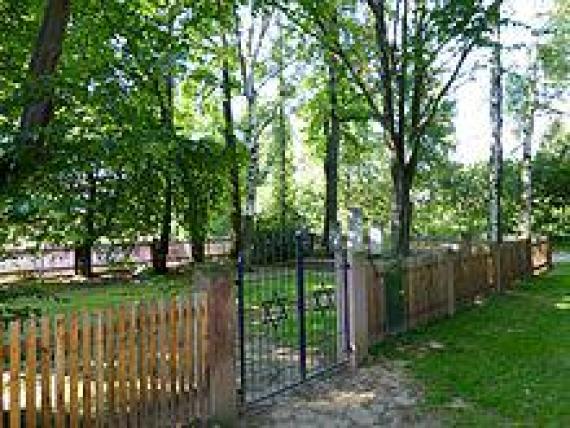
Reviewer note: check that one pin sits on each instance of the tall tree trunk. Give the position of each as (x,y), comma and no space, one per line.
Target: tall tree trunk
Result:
(232,148)
(282,133)
(401,213)
(528,133)
(331,159)
(496,232)
(496,145)
(252,144)
(39,111)
(160,254)
(167,113)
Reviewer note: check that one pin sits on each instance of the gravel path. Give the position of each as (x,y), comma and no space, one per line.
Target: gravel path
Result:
(379,395)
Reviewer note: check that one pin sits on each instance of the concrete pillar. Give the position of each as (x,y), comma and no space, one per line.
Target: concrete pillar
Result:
(216,281)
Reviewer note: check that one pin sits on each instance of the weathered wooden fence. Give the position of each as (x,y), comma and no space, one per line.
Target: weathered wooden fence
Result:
(436,282)
(149,364)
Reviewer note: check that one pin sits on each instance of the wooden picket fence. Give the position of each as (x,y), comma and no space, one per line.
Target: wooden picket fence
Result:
(136,365)
(435,284)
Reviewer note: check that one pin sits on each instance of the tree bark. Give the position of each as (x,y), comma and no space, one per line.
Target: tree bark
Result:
(528,133)
(401,212)
(232,148)
(84,253)
(282,133)
(496,145)
(39,111)
(331,159)
(160,254)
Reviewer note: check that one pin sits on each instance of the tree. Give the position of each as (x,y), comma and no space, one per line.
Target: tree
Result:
(229,134)
(414,44)
(38,111)
(496,159)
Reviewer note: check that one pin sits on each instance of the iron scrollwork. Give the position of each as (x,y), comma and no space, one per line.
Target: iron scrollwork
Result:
(274,311)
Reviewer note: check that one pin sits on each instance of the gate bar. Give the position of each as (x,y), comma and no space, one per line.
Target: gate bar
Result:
(301,307)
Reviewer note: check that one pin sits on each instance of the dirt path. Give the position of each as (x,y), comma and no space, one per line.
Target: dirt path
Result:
(379,395)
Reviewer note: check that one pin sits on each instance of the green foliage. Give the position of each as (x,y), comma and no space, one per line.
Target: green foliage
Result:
(551,172)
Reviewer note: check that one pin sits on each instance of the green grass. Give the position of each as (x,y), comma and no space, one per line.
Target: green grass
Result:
(281,284)
(505,362)
(51,298)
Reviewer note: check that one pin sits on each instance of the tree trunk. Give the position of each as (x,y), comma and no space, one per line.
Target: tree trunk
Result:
(331,159)
(38,113)
(231,145)
(496,233)
(401,208)
(282,134)
(84,253)
(198,249)
(167,113)
(496,145)
(528,133)
(252,169)
(160,253)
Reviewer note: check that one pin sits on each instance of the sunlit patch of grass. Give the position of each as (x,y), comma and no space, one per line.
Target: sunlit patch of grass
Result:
(503,363)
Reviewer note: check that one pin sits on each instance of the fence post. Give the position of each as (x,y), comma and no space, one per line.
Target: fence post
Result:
(450,272)
(357,292)
(341,274)
(300,276)
(216,281)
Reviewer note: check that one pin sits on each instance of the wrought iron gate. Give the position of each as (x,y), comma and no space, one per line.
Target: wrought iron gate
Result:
(292,315)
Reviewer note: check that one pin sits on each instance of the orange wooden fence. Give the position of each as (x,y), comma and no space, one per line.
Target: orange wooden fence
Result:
(138,365)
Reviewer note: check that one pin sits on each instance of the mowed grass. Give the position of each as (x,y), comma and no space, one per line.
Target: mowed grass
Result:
(505,362)
(277,289)
(49,298)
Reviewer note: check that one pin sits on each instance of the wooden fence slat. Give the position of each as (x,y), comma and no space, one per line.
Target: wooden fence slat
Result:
(189,336)
(143,363)
(46,372)
(15,374)
(152,364)
(110,365)
(60,371)
(162,363)
(185,378)
(31,356)
(203,339)
(173,316)
(100,372)
(122,376)
(87,370)
(73,371)
(133,368)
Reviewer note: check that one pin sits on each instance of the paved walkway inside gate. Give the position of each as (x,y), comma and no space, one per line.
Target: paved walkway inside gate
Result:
(379,395)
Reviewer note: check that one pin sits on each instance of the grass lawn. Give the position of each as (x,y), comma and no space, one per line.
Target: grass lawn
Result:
(276,290)
(505,362)
(59,297)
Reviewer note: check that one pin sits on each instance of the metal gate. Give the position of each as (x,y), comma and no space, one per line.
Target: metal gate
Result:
(292,315)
